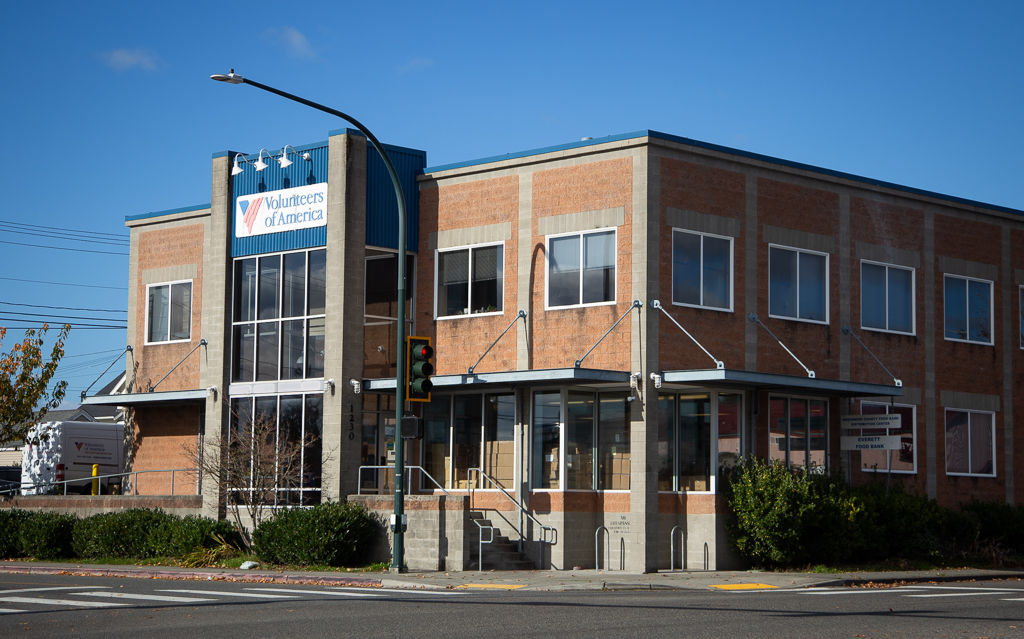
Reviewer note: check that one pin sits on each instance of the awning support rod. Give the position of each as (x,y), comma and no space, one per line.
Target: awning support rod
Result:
(896,381)
(127,349)
(521,314)
(719,364)
(637,304)
(754,318)
(202,342)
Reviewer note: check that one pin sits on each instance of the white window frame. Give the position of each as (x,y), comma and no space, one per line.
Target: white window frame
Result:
(169,285)
(1020,299)
(827,467)
(913,435)
(732,271)
(469,283)
(828,301)
(913,298)
(547,268)
(946,441)
(967,309)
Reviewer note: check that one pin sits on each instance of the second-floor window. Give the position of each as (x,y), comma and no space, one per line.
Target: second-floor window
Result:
(169,312)
(701,270)
(581,268)
(798,284)
(968,309)
(886,297)
(469,280)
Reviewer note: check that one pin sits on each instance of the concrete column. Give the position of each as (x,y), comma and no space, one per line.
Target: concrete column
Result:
(215,326)
(343,344)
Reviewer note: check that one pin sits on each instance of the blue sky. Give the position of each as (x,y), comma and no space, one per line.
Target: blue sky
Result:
(108,110)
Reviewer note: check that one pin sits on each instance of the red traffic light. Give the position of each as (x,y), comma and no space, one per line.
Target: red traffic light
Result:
(423,351)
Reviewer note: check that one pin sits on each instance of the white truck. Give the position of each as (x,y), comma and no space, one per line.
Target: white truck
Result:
(65,451)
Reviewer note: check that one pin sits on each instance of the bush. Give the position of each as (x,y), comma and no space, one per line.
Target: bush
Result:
(334,534)
(998,523)
(46,535)
(905,526)
(177,537)
(122,533)
(11,520)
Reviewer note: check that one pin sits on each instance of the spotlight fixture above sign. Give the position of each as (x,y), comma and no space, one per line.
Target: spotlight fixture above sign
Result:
(259,164)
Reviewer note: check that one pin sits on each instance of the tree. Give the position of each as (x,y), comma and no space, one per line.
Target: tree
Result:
(24,378)
(257,469)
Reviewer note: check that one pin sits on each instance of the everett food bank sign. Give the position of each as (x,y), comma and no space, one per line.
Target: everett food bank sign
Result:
(302,207)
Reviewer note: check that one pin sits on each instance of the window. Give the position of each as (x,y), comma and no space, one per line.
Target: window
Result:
(1021,298)
(797,286)
(581,269)
(169,312)
(886,298)
(278,316)
(968,309)
(279,439)
(687,442)
(597,441)
(903,460)
(799,433)
(970,443)
(474,431)
(469,281)
(701,270)
(545,433)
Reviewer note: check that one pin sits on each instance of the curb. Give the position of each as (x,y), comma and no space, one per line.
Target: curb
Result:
(899,580)
(194,575)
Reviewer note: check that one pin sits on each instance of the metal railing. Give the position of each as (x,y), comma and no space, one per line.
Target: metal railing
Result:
(408,488)
(548,534)
(85,481)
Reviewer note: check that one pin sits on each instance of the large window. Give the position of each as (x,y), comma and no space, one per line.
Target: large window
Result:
(463,432)
(545,434)
(278,312)
(903,460)
(687,424)
(799,433)
(275,443)
(169,312)
(469,280)
(968,304)
(970,443)
(581,268)
(886,298)
(798,284)
(701,270)
(597,441)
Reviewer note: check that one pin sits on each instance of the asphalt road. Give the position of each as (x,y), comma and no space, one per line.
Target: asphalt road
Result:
(69,606)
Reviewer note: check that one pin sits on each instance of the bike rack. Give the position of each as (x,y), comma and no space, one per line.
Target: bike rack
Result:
(607,548)
(672,549)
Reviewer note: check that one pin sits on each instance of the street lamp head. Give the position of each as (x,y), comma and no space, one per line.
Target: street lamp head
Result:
(230,78)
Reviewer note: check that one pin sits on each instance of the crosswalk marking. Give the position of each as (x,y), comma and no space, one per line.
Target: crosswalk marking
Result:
(62,602)
(7,592)
(228,593)
(963,594)
(141,597)
(439,593)
(7,611)
(861,591)
(318,592)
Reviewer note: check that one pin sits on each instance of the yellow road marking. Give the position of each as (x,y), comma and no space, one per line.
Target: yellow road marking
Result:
(495,586)
(742,586)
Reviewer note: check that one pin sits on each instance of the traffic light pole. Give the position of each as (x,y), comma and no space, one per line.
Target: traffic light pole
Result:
(398,523)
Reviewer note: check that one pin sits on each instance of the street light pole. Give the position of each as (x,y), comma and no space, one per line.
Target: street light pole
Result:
(397,561)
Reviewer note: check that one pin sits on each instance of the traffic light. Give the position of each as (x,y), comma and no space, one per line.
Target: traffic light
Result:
(419,368)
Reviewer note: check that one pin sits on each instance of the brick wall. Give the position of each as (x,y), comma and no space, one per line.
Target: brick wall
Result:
(163,436)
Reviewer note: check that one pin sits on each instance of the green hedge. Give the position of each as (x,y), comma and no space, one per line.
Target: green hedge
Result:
(333,534)
(123,533)
(46,535)
(10,531)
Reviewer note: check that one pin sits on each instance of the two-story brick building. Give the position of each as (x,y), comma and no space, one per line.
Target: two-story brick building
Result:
(614,321)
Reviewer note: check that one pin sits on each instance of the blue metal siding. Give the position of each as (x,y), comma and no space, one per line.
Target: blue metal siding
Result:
(274,178)
(381,207)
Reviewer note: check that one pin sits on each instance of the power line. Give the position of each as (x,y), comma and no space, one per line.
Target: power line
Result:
(62,248)
(113,350)
(65,236)
(77,327)
(113,288)
(63,308)
(79,317)
(65,230)
(56,323)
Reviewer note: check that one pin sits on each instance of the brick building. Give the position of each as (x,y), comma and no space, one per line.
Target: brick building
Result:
(614,320)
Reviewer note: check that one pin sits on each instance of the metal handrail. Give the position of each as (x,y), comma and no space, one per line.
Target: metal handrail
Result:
(134,483)
(553,540)
(672,548)
(607,548)
(359,482)
(490,539)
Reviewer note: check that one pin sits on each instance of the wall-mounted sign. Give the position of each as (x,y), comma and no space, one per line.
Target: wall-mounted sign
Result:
(302,207)
(871,442)
(850,422)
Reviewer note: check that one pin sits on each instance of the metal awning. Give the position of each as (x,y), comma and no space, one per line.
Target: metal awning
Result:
(774,381)
(148,399)
(508,378)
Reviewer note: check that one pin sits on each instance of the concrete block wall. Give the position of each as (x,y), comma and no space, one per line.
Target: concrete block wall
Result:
(436,533)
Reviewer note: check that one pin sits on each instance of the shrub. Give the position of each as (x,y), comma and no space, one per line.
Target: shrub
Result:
(123,533)
(998,523)
(334,534)
(46,535)
(179,536)
(11,520)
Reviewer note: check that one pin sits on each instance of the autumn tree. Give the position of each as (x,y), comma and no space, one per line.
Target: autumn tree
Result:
(24,377)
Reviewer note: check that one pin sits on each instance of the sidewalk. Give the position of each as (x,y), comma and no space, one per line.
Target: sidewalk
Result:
(527,580)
